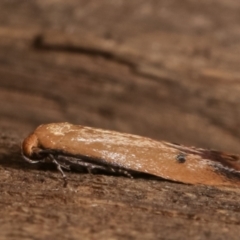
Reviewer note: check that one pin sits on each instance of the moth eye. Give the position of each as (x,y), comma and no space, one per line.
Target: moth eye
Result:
(181,158)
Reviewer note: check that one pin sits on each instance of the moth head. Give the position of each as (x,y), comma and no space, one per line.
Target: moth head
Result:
(31,150)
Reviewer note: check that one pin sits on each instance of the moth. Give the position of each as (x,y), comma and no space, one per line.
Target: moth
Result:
(68,145)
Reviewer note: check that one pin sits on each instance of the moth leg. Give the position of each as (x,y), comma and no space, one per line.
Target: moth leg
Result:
(90,166)
(121,171)
(77,162)
(59,168)
(108,169)
(125,172)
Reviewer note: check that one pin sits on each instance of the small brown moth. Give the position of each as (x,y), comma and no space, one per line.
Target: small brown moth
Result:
(68,145)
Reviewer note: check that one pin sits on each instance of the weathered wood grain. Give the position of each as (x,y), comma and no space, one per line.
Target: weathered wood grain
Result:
(162,69)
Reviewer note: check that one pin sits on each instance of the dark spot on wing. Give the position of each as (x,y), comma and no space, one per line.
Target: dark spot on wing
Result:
(181,158)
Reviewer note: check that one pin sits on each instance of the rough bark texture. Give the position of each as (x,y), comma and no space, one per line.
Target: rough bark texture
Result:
(163,69)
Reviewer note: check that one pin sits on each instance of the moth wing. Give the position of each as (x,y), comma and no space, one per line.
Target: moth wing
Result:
(141,154)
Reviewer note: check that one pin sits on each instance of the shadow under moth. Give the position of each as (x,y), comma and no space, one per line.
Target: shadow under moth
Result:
(68,145)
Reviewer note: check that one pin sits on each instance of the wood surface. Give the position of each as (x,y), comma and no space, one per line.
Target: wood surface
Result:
(168,70)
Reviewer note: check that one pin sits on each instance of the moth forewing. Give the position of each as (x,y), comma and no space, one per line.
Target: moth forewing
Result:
(120,152)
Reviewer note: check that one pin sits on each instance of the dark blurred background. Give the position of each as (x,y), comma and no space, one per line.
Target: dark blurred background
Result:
(165,69)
